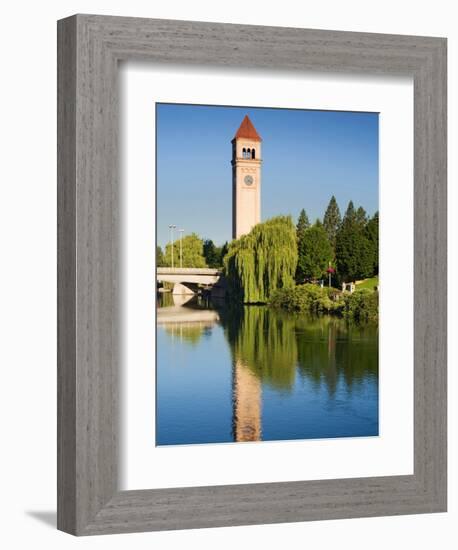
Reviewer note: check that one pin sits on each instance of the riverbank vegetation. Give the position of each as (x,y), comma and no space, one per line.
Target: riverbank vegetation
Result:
(296,267)
(288,267)
(360,306)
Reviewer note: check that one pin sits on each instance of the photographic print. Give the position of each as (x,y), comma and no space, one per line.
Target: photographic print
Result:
(267,276)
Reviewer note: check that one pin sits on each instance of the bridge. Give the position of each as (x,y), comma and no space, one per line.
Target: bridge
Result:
(186,280)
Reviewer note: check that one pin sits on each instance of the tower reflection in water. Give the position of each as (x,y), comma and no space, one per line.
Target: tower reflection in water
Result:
(246,402)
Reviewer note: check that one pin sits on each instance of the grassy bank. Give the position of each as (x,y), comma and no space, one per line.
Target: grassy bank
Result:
(368,284)
(361,306)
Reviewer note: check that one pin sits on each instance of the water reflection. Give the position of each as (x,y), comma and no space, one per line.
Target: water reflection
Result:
(286,372)
(246,399)
(263,340)
(186,324)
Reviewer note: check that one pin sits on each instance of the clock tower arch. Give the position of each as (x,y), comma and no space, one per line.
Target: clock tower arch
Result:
(246,179)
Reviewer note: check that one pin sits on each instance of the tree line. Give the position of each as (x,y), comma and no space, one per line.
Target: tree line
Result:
(348,245)
(196,252)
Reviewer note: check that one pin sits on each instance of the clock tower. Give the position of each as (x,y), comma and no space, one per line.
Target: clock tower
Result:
(246,179)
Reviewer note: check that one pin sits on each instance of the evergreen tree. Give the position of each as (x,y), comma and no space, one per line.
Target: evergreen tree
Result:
(302,224)
(354,258)
(372,235)
(193,252)
(332,220)
(212,254)
(354,250)
(361,217)
(350,214)
(314,254)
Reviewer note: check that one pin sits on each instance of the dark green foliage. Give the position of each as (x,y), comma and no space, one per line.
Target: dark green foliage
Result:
(302,225)
(355,255)
(159,257)
(372,235)
(211,254)
(314,254)
(332,220)
(350,214)
(223,251)
(262,261)
(193,253)
(360,217)
(214,255)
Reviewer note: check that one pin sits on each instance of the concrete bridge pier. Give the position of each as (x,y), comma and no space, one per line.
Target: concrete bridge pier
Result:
(179,289)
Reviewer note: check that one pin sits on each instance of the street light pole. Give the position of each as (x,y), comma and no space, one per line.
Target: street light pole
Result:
(172,227)
(330,271)
(181,247)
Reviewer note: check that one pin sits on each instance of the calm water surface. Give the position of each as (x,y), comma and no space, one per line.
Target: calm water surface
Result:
(250,374)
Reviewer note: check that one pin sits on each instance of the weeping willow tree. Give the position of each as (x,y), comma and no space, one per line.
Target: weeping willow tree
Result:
(262,261)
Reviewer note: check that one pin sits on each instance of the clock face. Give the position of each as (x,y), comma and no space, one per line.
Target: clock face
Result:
(248,180)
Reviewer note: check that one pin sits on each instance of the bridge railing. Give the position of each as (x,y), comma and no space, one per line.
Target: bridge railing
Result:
(188,271)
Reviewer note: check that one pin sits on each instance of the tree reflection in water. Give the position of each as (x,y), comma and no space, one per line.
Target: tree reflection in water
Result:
(269,347)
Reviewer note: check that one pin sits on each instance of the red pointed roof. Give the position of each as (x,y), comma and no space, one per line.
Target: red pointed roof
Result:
(247,130)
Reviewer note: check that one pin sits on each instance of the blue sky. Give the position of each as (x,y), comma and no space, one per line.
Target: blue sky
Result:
(308,156)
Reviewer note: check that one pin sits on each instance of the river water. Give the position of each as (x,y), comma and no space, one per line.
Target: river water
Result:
(227,374)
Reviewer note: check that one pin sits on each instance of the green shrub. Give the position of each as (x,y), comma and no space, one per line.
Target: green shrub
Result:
(361,306)
(307,298)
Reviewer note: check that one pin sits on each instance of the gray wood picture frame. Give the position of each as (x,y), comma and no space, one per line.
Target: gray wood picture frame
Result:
(89,49)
